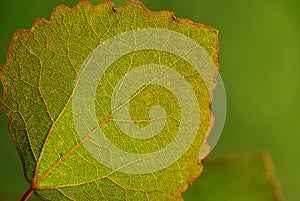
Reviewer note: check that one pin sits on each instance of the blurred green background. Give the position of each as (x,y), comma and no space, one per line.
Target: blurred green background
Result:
(260,67)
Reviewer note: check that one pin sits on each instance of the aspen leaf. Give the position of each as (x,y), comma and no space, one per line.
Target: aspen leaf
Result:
(110,103)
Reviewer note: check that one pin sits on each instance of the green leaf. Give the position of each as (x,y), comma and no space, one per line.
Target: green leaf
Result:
(239,178)
(66,93)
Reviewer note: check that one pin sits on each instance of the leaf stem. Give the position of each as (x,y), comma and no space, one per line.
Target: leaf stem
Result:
(27,194)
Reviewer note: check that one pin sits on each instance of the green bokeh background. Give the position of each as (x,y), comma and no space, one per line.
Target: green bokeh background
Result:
(260,67)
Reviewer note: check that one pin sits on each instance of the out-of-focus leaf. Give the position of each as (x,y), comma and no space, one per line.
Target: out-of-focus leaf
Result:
(236,178)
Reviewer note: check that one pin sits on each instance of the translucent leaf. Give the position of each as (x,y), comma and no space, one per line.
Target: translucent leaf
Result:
(110,104)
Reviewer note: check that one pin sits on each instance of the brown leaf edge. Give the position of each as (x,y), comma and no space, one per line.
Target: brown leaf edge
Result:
(33,185)
(267,161)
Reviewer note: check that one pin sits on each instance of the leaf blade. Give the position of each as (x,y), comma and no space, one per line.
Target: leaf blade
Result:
(52,154)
